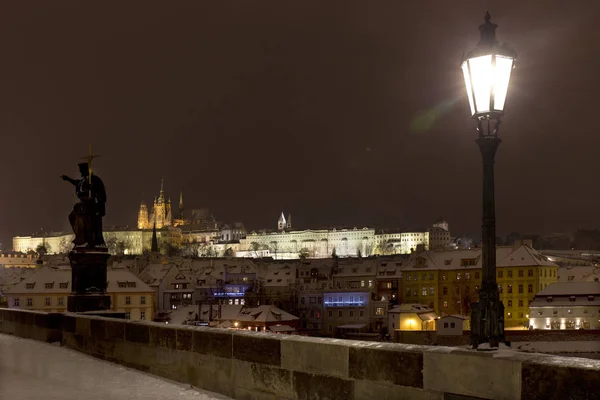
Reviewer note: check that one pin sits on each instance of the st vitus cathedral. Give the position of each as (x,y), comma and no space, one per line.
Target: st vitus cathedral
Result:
(161,214)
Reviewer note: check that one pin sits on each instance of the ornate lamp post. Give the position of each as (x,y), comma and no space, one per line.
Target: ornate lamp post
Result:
(487,70)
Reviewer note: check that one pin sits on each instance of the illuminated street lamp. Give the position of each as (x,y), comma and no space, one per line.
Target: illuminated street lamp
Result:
(487,70)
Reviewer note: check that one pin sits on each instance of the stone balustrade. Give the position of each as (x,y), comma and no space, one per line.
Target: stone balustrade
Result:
(251,365)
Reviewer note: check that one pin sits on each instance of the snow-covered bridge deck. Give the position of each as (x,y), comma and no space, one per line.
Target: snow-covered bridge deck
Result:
(36,370)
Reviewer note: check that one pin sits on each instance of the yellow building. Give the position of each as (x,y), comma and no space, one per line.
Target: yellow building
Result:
(48,288)
(449,281)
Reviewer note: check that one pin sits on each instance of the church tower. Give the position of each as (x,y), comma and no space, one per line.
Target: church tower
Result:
(281,222)
(181,205)
(143,217)
(160,212)
(288,225)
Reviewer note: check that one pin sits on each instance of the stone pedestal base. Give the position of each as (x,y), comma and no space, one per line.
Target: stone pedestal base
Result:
(88,280)
(88,302)
(487,318)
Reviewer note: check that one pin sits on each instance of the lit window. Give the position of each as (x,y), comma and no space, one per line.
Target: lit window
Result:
(379,311)
(424,291)
(445,304)
(370,283)
(458,275)
(467,275)
(362,283)
(509,315)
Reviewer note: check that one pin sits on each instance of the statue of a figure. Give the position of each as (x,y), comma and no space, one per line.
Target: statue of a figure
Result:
(86,217)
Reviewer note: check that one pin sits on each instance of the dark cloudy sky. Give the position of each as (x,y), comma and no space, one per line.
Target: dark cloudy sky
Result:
(340,112)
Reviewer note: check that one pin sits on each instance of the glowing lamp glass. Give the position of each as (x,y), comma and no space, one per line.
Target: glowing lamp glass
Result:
(486,80)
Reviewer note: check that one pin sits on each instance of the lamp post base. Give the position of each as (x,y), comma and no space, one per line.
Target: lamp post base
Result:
(487,318)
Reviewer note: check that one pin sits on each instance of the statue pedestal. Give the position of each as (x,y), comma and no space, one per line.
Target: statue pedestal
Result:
(88,280)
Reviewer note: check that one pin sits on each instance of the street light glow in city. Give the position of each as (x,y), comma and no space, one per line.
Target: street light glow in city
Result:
(487,71)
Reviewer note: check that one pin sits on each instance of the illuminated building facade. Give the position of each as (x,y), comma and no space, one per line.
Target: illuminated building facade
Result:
(449,281)
(285,243)
(566,305)
(161,214)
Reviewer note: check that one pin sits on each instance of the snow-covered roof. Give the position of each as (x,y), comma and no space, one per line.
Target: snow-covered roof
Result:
(581,273)
(522,256)
(455,316)
(357,267)
(280,274)
(54,280)
(182,314)
(265,314)
(153,274)
(571,289)
(410,308)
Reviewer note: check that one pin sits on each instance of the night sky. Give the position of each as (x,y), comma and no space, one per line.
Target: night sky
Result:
(340,112)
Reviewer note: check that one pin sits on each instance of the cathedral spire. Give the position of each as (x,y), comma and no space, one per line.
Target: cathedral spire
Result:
(161,195)
(154,248)
(181,204)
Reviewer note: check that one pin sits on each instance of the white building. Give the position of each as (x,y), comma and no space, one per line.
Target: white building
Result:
(285,243)
(566,305)
(54,242)
(452,325)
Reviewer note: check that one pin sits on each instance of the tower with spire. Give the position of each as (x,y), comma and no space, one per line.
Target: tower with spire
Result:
(143,221)
(154,246)
(281,222)
(161,215)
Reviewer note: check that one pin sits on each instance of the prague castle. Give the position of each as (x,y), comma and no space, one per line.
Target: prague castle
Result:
(197,233)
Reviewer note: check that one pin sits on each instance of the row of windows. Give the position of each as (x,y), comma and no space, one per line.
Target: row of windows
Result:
(379,311)
(521,302)
(47,301)
(509,288)
(361,313)
(61,301)
(313,300)
(128,300)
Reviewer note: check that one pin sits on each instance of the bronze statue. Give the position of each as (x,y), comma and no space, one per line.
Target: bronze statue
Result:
(86,217)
